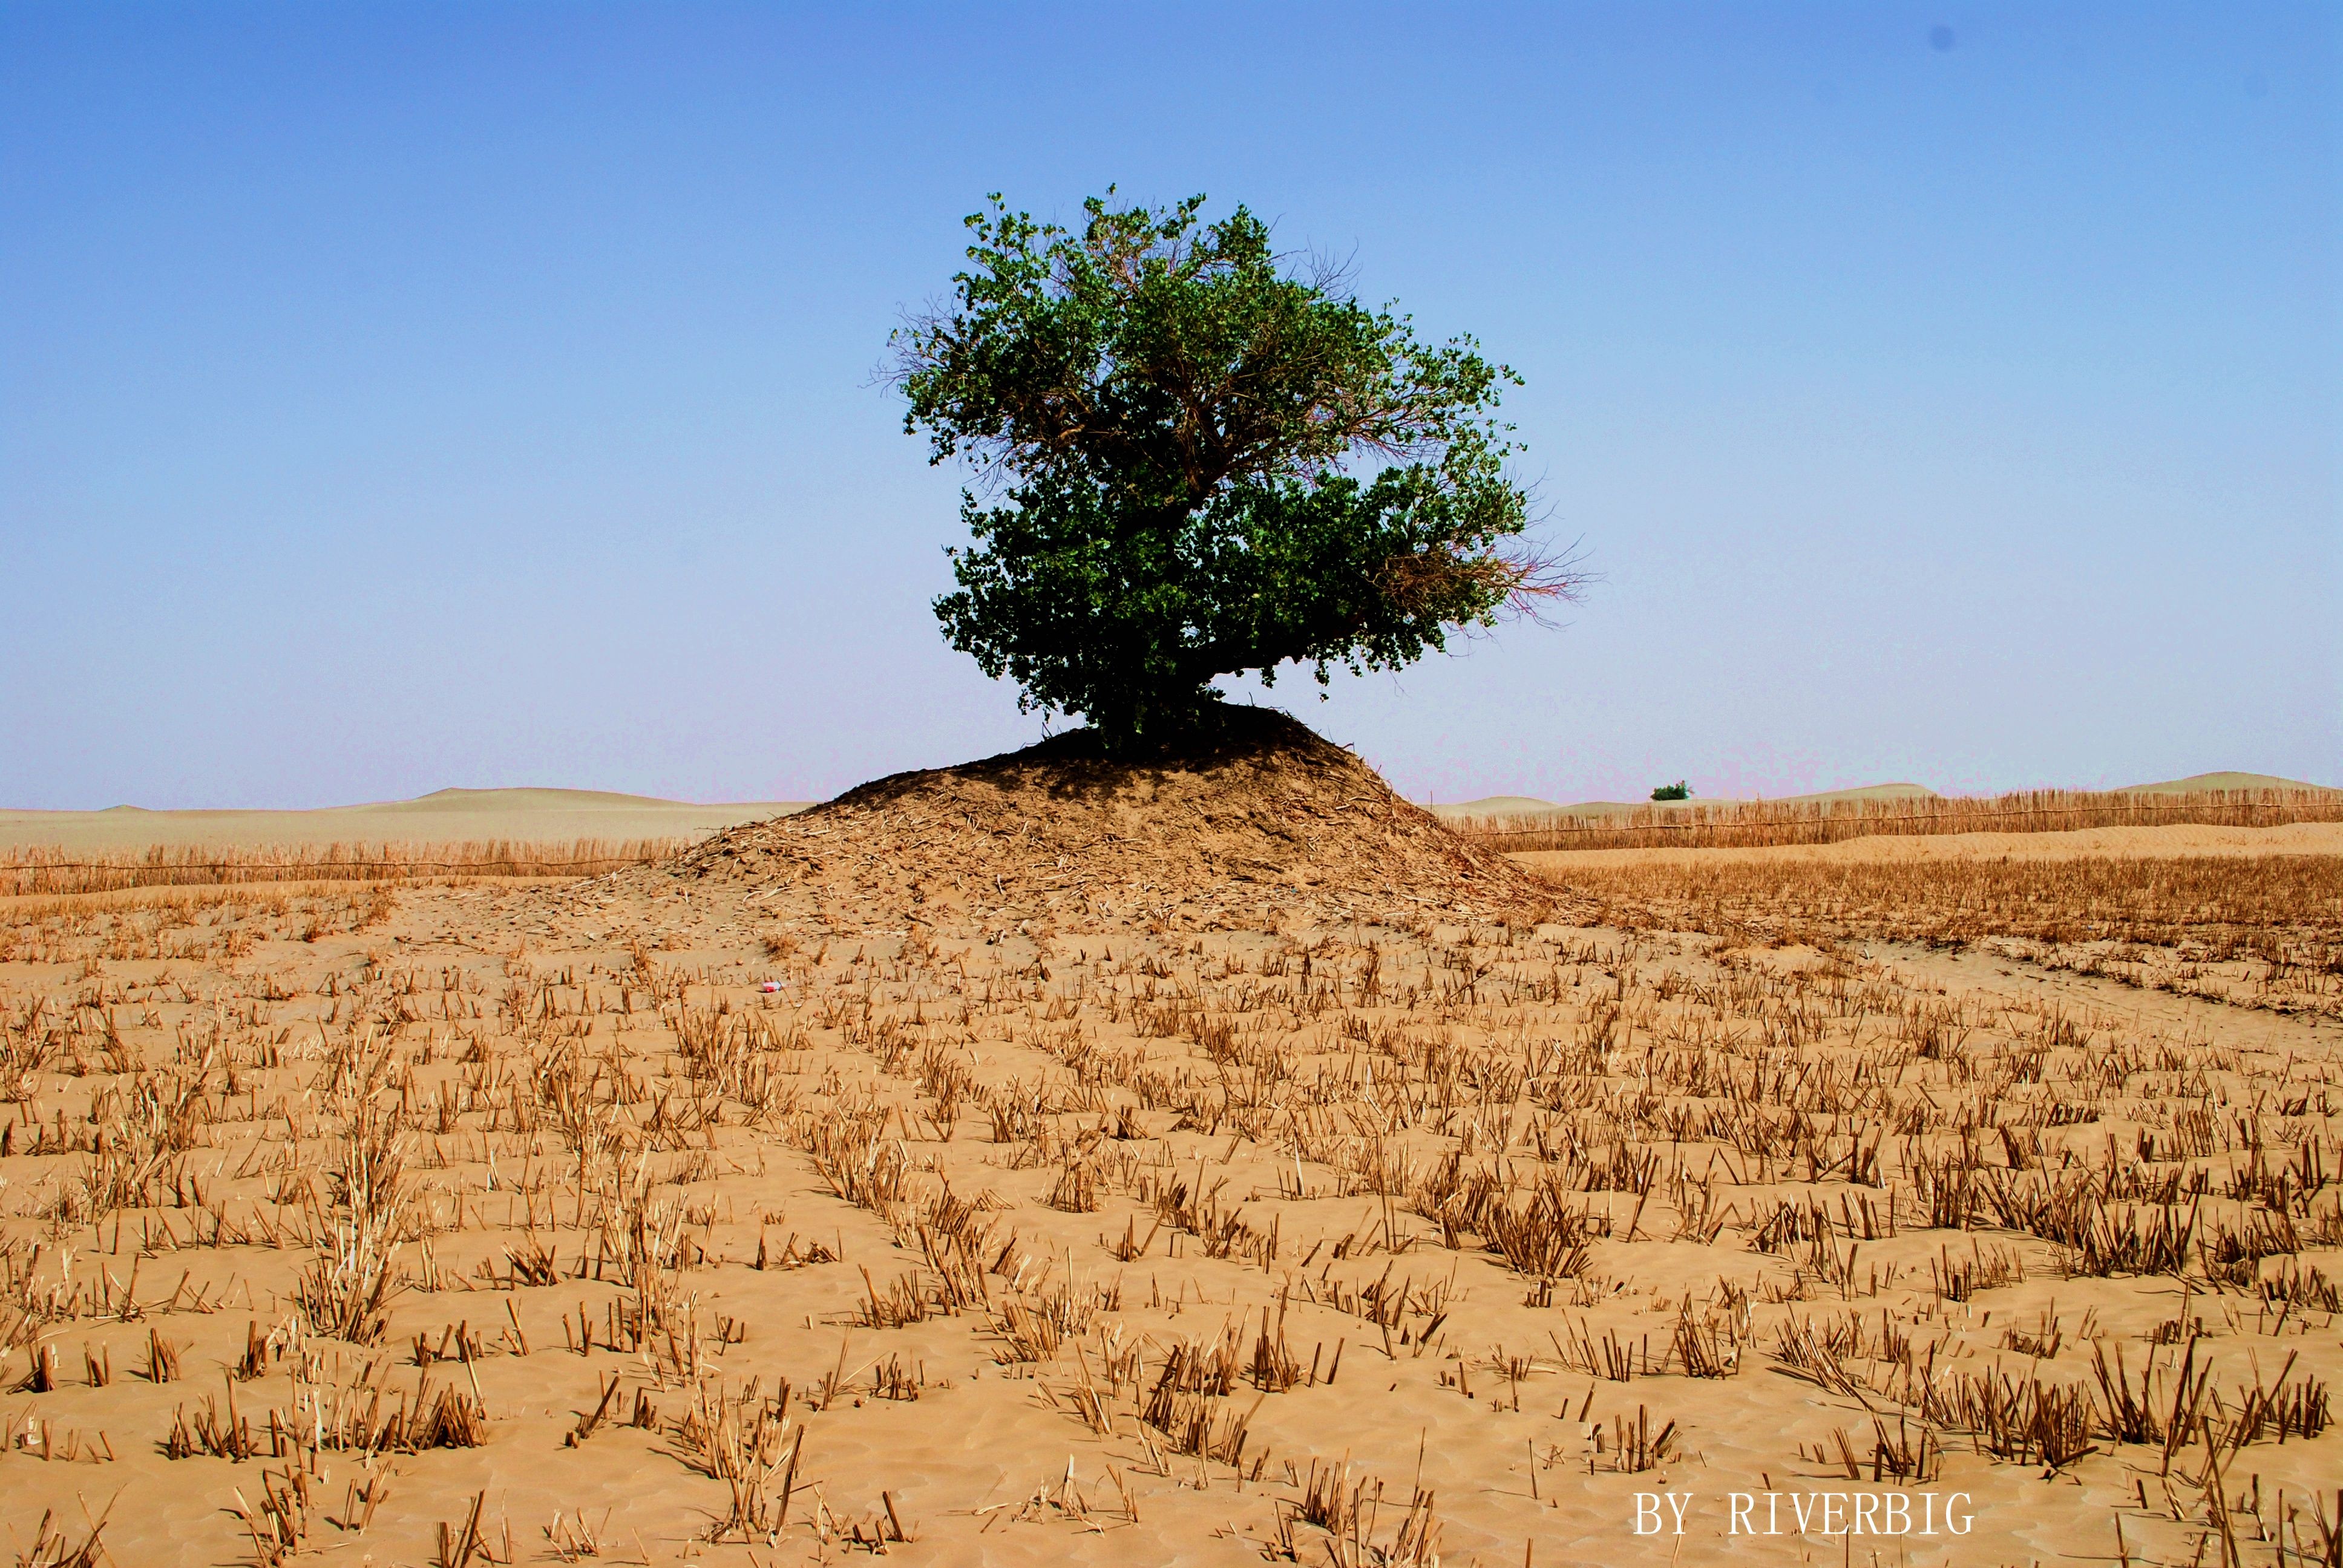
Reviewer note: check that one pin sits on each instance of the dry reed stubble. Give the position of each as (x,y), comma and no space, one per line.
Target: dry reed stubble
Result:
(1368,1133)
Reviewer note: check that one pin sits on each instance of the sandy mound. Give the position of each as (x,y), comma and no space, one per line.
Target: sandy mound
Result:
(1269,819)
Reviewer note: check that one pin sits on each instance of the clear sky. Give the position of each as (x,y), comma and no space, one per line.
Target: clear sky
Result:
(394,397)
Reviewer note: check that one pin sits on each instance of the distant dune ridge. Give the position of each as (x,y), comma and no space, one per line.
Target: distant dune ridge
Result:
(520,816)
(2196,782)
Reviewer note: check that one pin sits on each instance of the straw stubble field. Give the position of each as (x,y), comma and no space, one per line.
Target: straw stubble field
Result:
(647,1220)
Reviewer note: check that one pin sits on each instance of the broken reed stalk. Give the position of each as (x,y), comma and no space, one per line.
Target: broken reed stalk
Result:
(458,1547)
(52,1548)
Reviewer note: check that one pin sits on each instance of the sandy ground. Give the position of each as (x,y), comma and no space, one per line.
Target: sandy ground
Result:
(2090,843)
(554,1114)
(1070,1240)
(525,816)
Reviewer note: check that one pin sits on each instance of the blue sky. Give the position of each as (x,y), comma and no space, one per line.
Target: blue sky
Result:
(399,396)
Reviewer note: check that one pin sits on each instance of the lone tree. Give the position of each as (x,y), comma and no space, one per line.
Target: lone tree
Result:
(1204,461)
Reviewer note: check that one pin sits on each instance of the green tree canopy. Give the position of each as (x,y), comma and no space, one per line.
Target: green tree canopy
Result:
(1200,460)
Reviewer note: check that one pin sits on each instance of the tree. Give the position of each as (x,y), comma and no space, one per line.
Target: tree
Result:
(1201,461)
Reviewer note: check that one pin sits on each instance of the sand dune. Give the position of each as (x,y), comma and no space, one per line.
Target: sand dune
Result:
(2196,781)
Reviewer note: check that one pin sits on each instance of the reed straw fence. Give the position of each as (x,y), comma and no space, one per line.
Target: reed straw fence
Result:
(1757,824)
(47,869)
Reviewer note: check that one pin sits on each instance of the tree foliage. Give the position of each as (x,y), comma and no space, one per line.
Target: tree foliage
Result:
(1200,460)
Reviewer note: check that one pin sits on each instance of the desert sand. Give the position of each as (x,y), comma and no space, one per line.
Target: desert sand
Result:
(1046,1161)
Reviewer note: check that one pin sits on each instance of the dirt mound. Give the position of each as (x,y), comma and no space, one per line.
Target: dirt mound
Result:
(1265,820)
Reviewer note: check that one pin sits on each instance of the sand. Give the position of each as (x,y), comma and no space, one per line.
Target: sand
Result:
(957,1130)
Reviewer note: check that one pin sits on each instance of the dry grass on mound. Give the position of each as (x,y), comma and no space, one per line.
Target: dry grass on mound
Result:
(1760,824)
(1270,818)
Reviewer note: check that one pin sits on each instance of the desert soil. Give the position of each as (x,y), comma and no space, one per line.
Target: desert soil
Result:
(981,1178)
